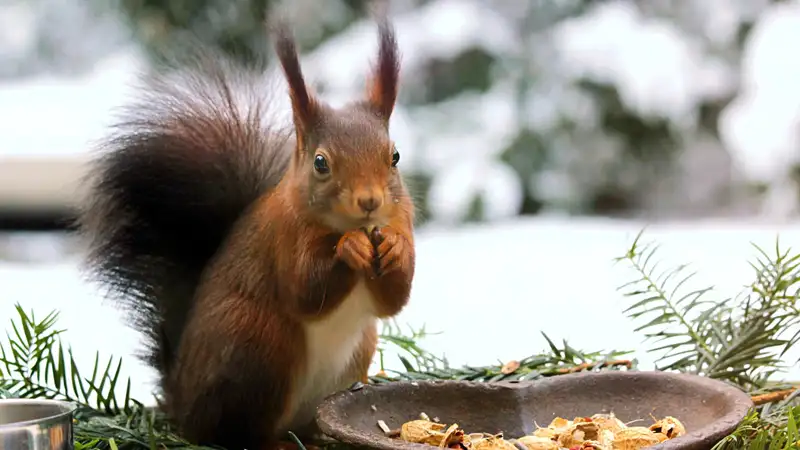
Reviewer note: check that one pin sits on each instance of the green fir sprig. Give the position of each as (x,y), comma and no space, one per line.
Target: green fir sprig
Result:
(554,360)
(741,340)
(35,364)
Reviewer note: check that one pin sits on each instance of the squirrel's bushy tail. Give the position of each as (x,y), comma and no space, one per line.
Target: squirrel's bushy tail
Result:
(184,162)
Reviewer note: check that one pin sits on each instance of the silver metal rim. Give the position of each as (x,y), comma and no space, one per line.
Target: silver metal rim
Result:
(66,408)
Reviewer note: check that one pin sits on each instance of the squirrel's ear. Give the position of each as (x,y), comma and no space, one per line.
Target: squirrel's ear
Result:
(382,87)
(304,107)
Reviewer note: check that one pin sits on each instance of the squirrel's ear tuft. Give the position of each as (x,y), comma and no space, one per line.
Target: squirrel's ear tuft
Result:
(383,84)
(304,106)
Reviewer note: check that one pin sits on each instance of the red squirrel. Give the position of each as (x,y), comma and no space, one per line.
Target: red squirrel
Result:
(239,247)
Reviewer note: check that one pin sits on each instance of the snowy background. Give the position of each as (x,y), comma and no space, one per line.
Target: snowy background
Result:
(541,135)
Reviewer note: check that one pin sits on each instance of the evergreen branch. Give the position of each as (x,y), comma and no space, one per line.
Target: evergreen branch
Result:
(556,361)
(735,339)
(774,426)
(772,397)
(777,285)
(423,360)
(35,364)
(653,301)
(139,428)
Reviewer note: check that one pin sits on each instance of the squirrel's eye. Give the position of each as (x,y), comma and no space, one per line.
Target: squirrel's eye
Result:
(321,165)
(395,157)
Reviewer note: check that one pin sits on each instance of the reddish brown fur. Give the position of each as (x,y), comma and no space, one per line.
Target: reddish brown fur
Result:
(304,106)
(382,92)
(359,368)
(397,258)
(291,259)
(225,244)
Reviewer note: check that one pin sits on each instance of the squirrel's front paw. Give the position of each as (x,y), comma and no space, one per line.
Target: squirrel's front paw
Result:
(357,251)
(393,250)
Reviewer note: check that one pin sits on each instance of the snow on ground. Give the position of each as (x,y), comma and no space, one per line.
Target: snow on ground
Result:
(489,290)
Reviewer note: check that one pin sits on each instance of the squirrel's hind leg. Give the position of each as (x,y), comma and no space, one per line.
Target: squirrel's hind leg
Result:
(233,380)
(236,410)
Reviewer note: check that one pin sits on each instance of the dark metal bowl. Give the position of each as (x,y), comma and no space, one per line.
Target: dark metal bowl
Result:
(36,424)
(709,409)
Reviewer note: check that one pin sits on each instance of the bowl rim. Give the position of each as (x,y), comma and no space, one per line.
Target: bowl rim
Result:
(330,421)
(66,410)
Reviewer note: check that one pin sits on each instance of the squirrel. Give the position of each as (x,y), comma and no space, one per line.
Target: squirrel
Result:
(255,258)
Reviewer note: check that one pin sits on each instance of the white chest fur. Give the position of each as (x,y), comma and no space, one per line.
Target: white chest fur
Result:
(330,345)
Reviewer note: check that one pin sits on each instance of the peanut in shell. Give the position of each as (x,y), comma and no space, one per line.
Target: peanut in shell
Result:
(635,438)
(453,435)
(598,432)
(608,422)
(422,432)
(538,443)
(669,427)
(493,443)
(577,433)
(547,433)
(559,423)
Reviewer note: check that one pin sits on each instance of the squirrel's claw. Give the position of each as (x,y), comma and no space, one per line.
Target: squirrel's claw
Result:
(356,250)
(392,250)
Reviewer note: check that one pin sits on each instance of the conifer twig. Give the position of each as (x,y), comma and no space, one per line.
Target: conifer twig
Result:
(772,397)
(583,366)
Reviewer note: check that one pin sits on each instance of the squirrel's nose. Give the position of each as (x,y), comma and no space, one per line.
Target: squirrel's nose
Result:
(369,203)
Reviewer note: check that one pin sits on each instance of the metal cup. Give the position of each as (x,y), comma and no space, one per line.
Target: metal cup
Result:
(35,425)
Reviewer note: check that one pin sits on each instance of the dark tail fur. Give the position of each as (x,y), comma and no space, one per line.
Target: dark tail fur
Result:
(186,159)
